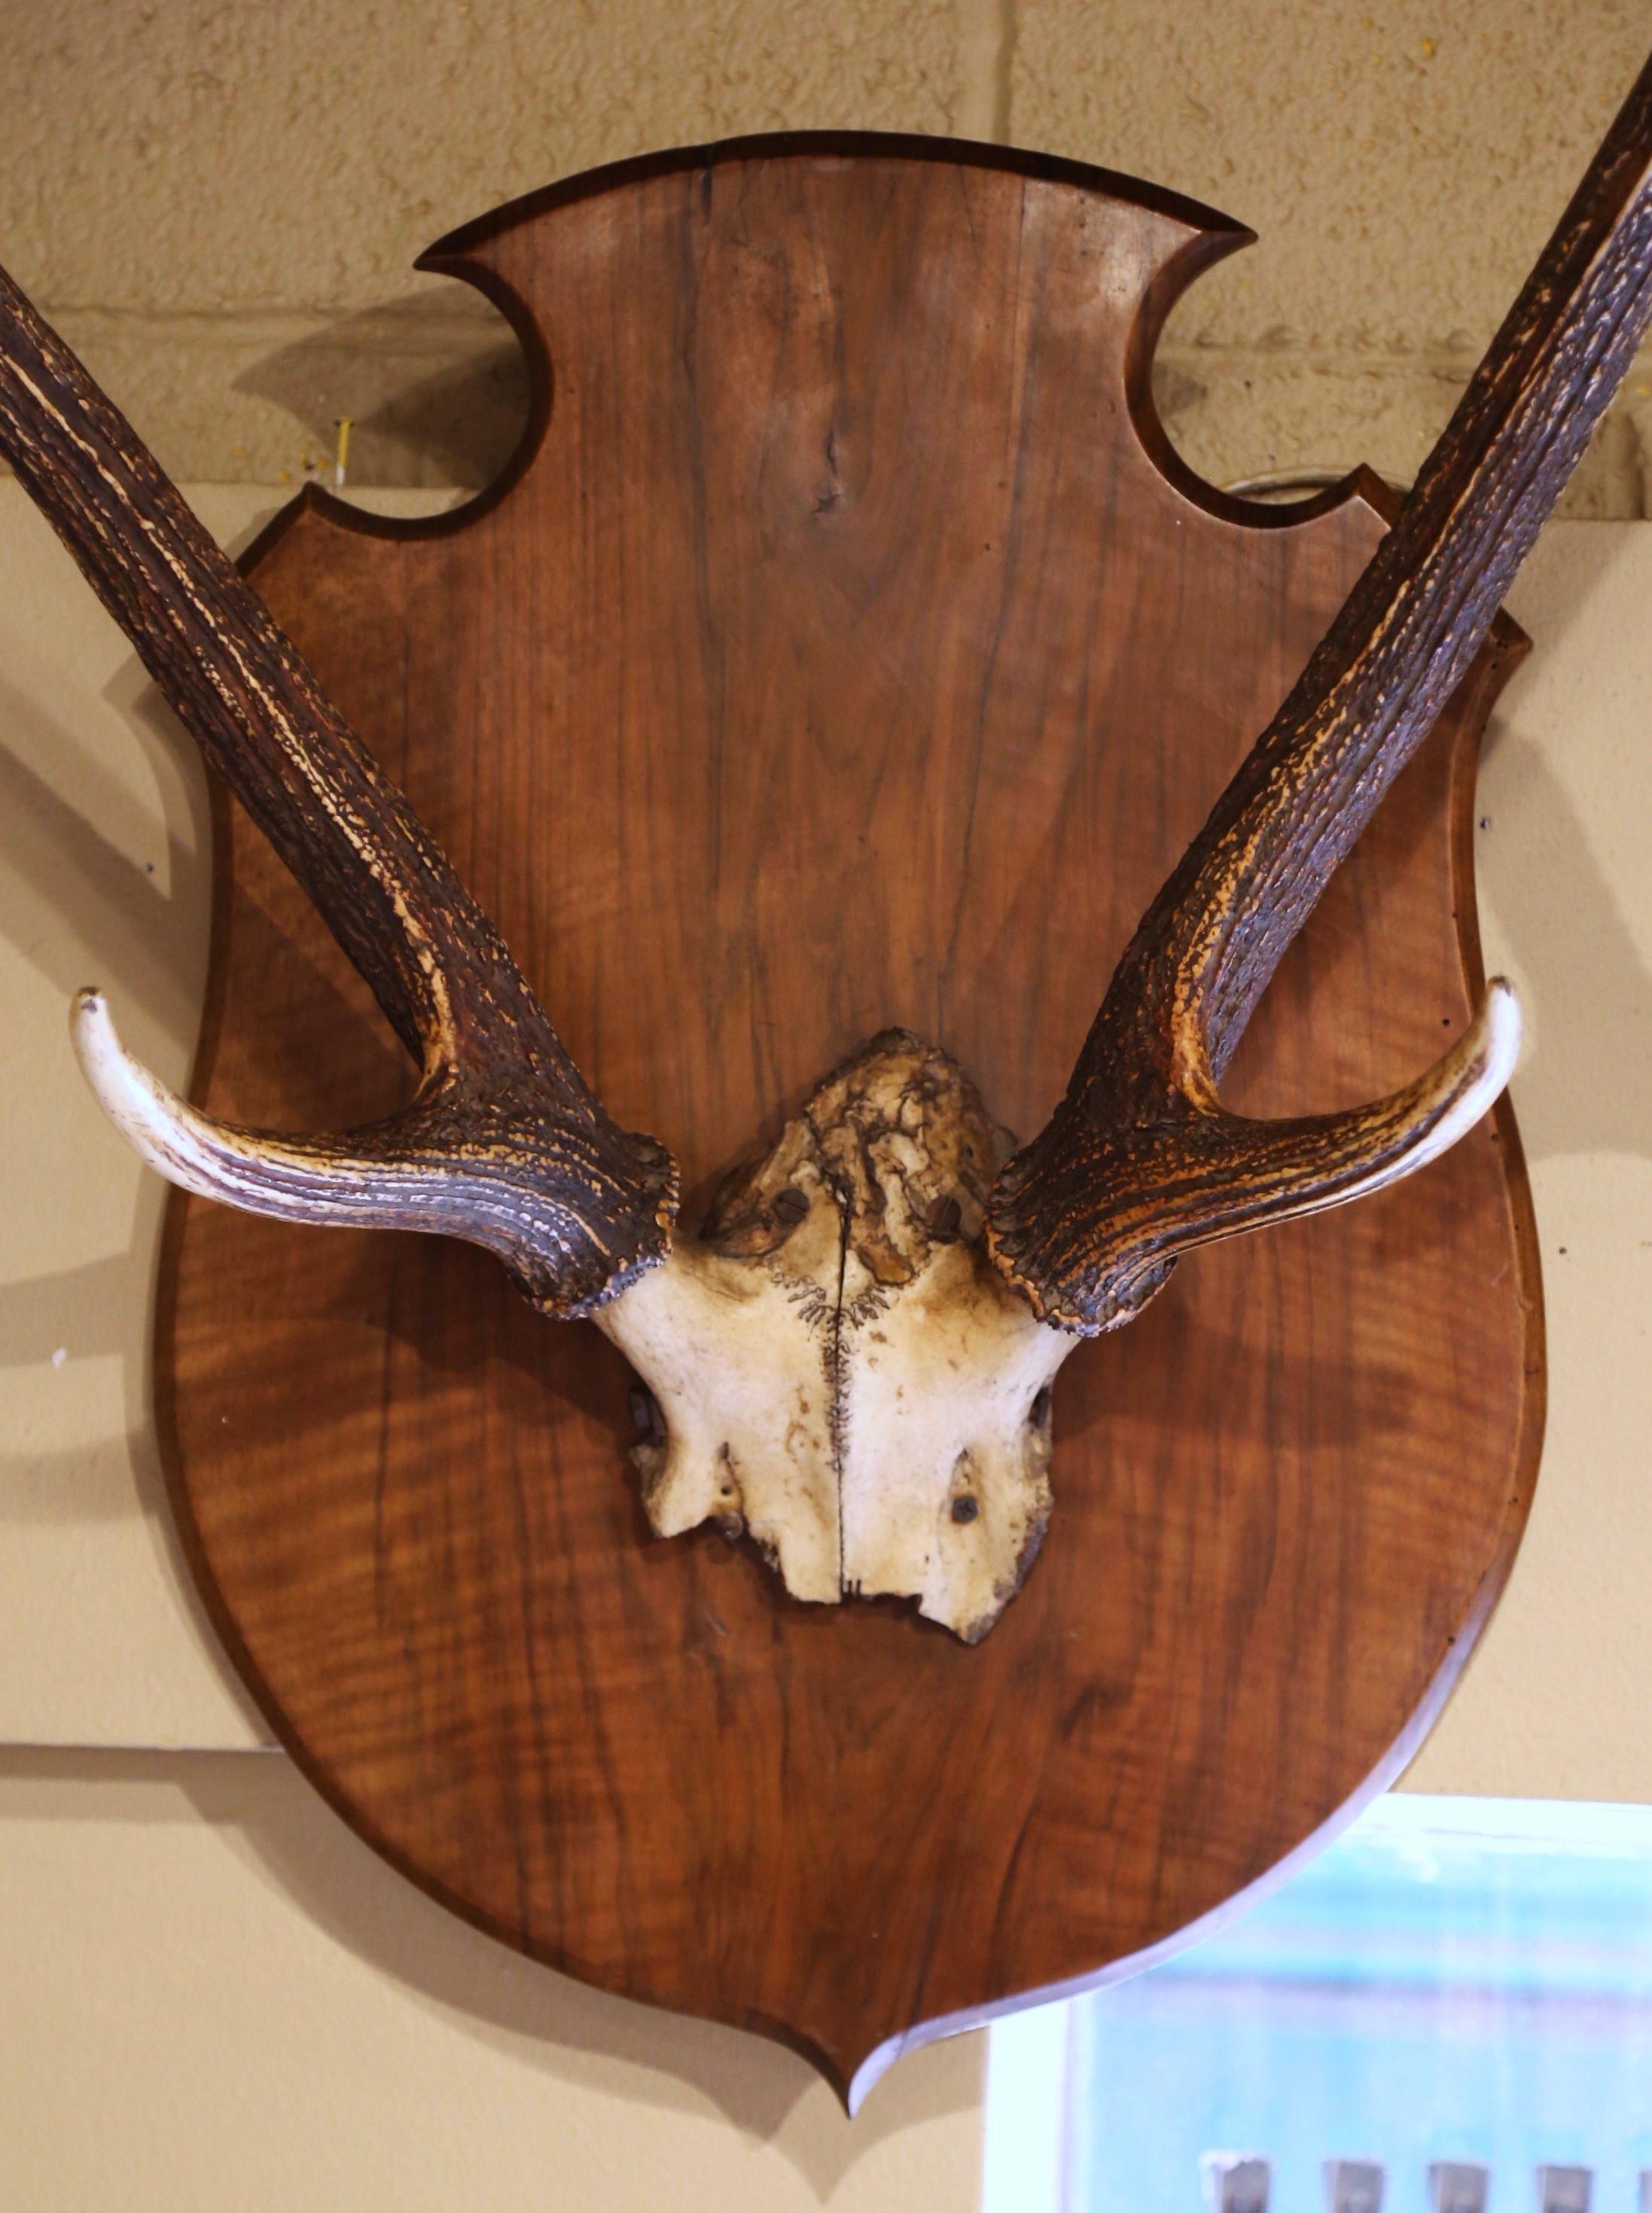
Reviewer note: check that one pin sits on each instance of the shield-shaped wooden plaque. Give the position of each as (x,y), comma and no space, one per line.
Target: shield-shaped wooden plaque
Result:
(847,647)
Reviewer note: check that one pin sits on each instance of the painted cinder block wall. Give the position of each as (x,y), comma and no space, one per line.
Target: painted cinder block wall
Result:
(221,205)
(214,1994)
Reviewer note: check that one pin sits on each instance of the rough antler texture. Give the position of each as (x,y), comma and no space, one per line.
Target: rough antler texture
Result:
(1140,1162)
(503,1142)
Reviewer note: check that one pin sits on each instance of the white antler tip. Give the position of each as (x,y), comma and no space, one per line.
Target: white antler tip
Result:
(1502,1029)
(90,1030)
(104,1060)
(1482,1063)
(147,1114)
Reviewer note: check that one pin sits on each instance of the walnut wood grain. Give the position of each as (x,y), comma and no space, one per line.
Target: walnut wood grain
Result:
(847,648)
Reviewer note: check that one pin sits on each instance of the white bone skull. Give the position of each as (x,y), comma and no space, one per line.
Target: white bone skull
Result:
(839,1371)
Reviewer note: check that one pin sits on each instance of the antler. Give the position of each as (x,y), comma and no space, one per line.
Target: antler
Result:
(1140,1160)
(503,1142)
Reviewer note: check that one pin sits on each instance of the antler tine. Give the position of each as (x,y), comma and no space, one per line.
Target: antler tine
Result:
(504,1144)
(1140,1162)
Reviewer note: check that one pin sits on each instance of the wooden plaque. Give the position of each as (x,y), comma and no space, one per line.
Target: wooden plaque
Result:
(847,647)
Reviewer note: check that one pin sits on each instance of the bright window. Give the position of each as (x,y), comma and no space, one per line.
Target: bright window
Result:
(1458,1993)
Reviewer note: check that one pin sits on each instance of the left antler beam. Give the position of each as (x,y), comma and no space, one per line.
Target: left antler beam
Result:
(1140,1162)
(503,1142)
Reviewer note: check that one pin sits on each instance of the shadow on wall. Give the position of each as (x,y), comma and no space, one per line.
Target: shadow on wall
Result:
(99,885)
(1232,413)
(267,1814)
(1548,795)
(1587,981)
(435,396)
(67,822)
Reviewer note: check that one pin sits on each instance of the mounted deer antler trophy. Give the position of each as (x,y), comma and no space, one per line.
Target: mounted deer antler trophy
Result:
(847,648)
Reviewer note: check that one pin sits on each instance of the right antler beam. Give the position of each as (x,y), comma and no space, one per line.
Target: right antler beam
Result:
(1140,1162)
(504,1143)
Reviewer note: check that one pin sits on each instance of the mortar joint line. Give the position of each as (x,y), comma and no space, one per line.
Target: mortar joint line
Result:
(1003,71)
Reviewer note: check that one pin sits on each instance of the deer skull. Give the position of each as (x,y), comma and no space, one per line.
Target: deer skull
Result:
(841,1370)
(852,1359)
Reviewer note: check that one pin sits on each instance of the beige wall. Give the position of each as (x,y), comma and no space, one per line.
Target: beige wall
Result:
(217,2001)
(213,1995)
(222,204)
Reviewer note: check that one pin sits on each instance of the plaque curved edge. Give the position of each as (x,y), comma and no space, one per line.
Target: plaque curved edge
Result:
(852,2082)
(1209,236)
